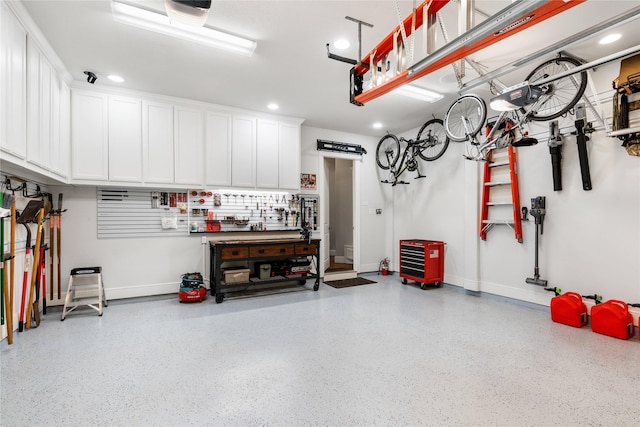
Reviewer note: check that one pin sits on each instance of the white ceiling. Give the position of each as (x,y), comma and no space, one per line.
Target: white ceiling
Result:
(290,64)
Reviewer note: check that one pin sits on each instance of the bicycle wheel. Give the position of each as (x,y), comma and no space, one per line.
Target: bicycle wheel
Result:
(560,95)
(387,151)
(465,117)
(435,141)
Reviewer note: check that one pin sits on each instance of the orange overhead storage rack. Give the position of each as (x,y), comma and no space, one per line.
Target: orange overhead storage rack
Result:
(498,27)
(386,45)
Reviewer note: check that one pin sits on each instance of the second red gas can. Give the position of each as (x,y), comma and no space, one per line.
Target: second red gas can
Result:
(612,318)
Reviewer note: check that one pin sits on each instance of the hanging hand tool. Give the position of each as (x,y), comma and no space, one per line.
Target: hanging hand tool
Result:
(538,211)
(227,197)
(59,212)
(12,254)
(243,196)
(3,215)
(52,252)
(33,310)
(582,128)
(28,215)
(42,277)
(555,149)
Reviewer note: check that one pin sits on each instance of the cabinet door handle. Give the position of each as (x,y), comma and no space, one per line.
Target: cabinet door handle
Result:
(282,250)
(235,252)
(261,251)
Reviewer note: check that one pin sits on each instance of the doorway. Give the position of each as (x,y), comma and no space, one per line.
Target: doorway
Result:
(339,252)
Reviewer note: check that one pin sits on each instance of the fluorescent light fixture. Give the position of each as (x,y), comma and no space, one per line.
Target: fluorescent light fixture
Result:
(341,44)
(377,125)
(273,106)
(418,93)
(515,97)
(160,23)
(610,38)
(115,78)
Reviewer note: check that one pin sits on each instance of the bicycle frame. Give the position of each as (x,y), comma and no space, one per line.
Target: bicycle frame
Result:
(407,161)
(492,140)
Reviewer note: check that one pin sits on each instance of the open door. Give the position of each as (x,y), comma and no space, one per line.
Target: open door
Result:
(326,216)
(338,213)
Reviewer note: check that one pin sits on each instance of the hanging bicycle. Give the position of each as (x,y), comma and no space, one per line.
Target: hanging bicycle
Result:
(429,145)
(519,105)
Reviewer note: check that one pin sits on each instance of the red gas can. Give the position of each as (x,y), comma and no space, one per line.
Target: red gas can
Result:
(569,309)
(612,318)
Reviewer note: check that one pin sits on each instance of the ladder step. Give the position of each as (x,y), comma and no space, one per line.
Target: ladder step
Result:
(498,221)
(498,164)
(499,203)
(496,183)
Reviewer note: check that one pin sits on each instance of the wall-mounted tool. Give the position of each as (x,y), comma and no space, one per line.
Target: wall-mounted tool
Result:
(537,211)
(582,128)
(555,149)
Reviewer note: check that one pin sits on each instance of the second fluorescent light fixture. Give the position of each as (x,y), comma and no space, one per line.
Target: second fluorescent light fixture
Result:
(418,93)
(160,23)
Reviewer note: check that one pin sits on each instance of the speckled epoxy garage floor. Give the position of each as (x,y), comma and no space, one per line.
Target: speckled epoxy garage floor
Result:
(381,354)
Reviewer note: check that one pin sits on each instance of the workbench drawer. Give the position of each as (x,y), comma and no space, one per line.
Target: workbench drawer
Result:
(270,250)
(234,253)
(306,249)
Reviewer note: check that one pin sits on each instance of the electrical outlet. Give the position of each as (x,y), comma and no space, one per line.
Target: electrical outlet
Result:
(378,211)
(203,240)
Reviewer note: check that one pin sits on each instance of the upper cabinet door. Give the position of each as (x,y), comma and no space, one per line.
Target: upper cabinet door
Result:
(157,141)
(13,84)
(89,144)
(267,154)
(125,139)
(39,73)
(243,152)
(189,158)
(289,157)
(218,149)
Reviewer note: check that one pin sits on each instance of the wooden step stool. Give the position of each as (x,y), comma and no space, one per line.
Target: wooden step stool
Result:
(85,288)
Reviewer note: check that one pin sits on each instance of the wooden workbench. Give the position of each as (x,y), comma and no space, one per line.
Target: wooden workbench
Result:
(255,251)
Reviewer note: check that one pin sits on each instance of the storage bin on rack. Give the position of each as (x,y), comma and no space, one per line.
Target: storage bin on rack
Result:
(236,275)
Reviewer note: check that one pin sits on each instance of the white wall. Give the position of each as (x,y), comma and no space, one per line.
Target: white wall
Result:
(591,240)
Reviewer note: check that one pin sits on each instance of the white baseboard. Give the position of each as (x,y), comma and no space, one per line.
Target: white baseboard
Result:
(142,290)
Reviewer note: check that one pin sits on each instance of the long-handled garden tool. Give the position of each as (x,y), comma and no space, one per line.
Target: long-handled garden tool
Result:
(28,215)
(537,211)
(33,308)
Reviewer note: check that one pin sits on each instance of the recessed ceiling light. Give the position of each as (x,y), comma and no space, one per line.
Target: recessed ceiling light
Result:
(273,106)
(610,38)
(377,125)
(115,78)
(341,44)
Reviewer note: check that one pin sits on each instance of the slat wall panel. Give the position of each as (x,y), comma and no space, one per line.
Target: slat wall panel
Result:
(130,213)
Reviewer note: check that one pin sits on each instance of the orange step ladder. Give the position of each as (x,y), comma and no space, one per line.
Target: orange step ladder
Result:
(496,180)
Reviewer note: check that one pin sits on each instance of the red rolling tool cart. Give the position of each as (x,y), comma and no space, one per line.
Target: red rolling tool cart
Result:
(422,261)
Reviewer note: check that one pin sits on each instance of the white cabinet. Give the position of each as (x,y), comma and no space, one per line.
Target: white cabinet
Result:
(60,162)
(218,149)
(188,144)
(89,136)
(243,152)
(267,143)
(157,142)
(13,84)
(278,155)
(125,139)
(289,157)
(39,111)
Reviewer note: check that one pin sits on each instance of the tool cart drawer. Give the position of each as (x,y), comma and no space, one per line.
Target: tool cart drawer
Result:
(270,250)
(305,249)
(234,253)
